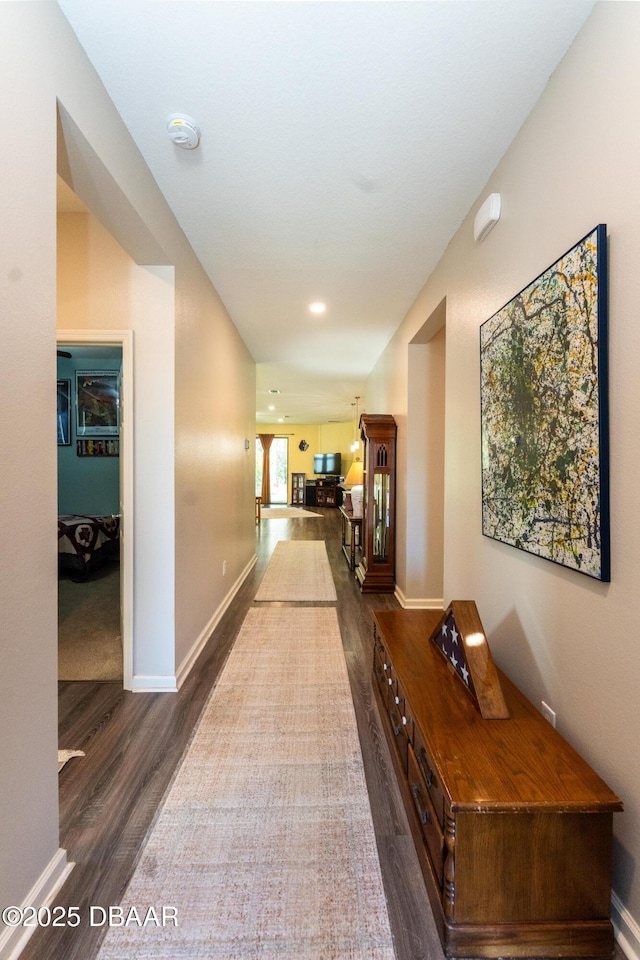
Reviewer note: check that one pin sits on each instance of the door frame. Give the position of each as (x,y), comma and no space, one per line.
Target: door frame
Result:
(124,339)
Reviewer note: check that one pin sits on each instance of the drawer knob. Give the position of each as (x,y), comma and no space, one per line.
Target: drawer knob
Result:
(404,720)
(390,681)
(397,699)
(384,667)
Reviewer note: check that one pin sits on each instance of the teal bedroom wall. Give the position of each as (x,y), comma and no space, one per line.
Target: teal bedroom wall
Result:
(87,485)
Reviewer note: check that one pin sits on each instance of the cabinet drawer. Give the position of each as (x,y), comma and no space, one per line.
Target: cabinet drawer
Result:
(381,673)
(401,707)
(389,675)
(378,646)
(429,824)
(431,781)
(399,731)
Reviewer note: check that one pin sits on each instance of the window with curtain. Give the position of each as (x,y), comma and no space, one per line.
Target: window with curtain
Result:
(277,464)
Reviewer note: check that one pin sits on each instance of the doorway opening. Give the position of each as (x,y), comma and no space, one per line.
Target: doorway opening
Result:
(89,605)
(95,483)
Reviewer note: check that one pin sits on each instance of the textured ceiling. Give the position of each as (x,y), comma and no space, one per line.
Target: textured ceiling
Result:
(342,145)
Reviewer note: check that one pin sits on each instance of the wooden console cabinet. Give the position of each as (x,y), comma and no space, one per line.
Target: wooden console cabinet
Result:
(326,493)
(323,493)
(513,829)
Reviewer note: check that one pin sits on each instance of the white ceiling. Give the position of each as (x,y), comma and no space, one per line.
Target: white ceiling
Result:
(342,145)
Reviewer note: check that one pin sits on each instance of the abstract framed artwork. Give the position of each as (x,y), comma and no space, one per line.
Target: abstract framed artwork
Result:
(544,411)
(97,403)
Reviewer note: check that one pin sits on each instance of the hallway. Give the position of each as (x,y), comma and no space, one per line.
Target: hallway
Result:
(133,743)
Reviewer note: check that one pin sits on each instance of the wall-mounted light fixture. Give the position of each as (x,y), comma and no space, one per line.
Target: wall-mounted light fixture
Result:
(487,216)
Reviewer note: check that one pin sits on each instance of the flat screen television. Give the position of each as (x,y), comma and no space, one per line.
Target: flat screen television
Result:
(327,464)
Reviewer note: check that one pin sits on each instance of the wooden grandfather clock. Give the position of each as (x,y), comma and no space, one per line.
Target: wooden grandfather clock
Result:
(376,572)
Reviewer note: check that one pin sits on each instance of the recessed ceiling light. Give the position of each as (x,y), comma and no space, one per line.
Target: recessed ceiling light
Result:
(272,407)
(274,391)
(317,307)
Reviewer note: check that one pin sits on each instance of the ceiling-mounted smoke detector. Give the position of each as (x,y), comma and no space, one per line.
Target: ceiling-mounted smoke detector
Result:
(183,130)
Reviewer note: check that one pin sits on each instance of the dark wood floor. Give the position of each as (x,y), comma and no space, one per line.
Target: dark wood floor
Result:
(134,741)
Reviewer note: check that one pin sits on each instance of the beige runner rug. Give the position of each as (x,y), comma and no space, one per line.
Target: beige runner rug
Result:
(65,755)
(287,513)
(298,570)
(265,845)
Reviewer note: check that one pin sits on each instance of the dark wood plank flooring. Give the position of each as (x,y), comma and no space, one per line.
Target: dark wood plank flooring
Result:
(134,741)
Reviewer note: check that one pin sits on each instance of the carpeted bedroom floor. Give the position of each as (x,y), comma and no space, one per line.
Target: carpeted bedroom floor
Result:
(89,631)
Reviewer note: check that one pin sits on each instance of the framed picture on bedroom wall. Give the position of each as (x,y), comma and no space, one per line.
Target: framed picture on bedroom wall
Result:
(64,413)
(97,403)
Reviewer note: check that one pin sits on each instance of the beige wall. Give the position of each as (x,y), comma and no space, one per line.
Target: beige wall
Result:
(560,635)
(101,288)
(28,589)
(421,503)
(214,474)
(214,409)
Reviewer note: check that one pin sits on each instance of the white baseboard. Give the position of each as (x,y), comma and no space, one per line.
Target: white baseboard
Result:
(420,603)
(171,683)
(150,683)
(185,667)
(626,928)
(44,891)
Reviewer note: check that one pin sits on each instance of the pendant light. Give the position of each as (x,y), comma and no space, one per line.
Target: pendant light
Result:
(355,446)
(355,474)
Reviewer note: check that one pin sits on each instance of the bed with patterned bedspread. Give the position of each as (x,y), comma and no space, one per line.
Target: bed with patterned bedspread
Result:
(84,542)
